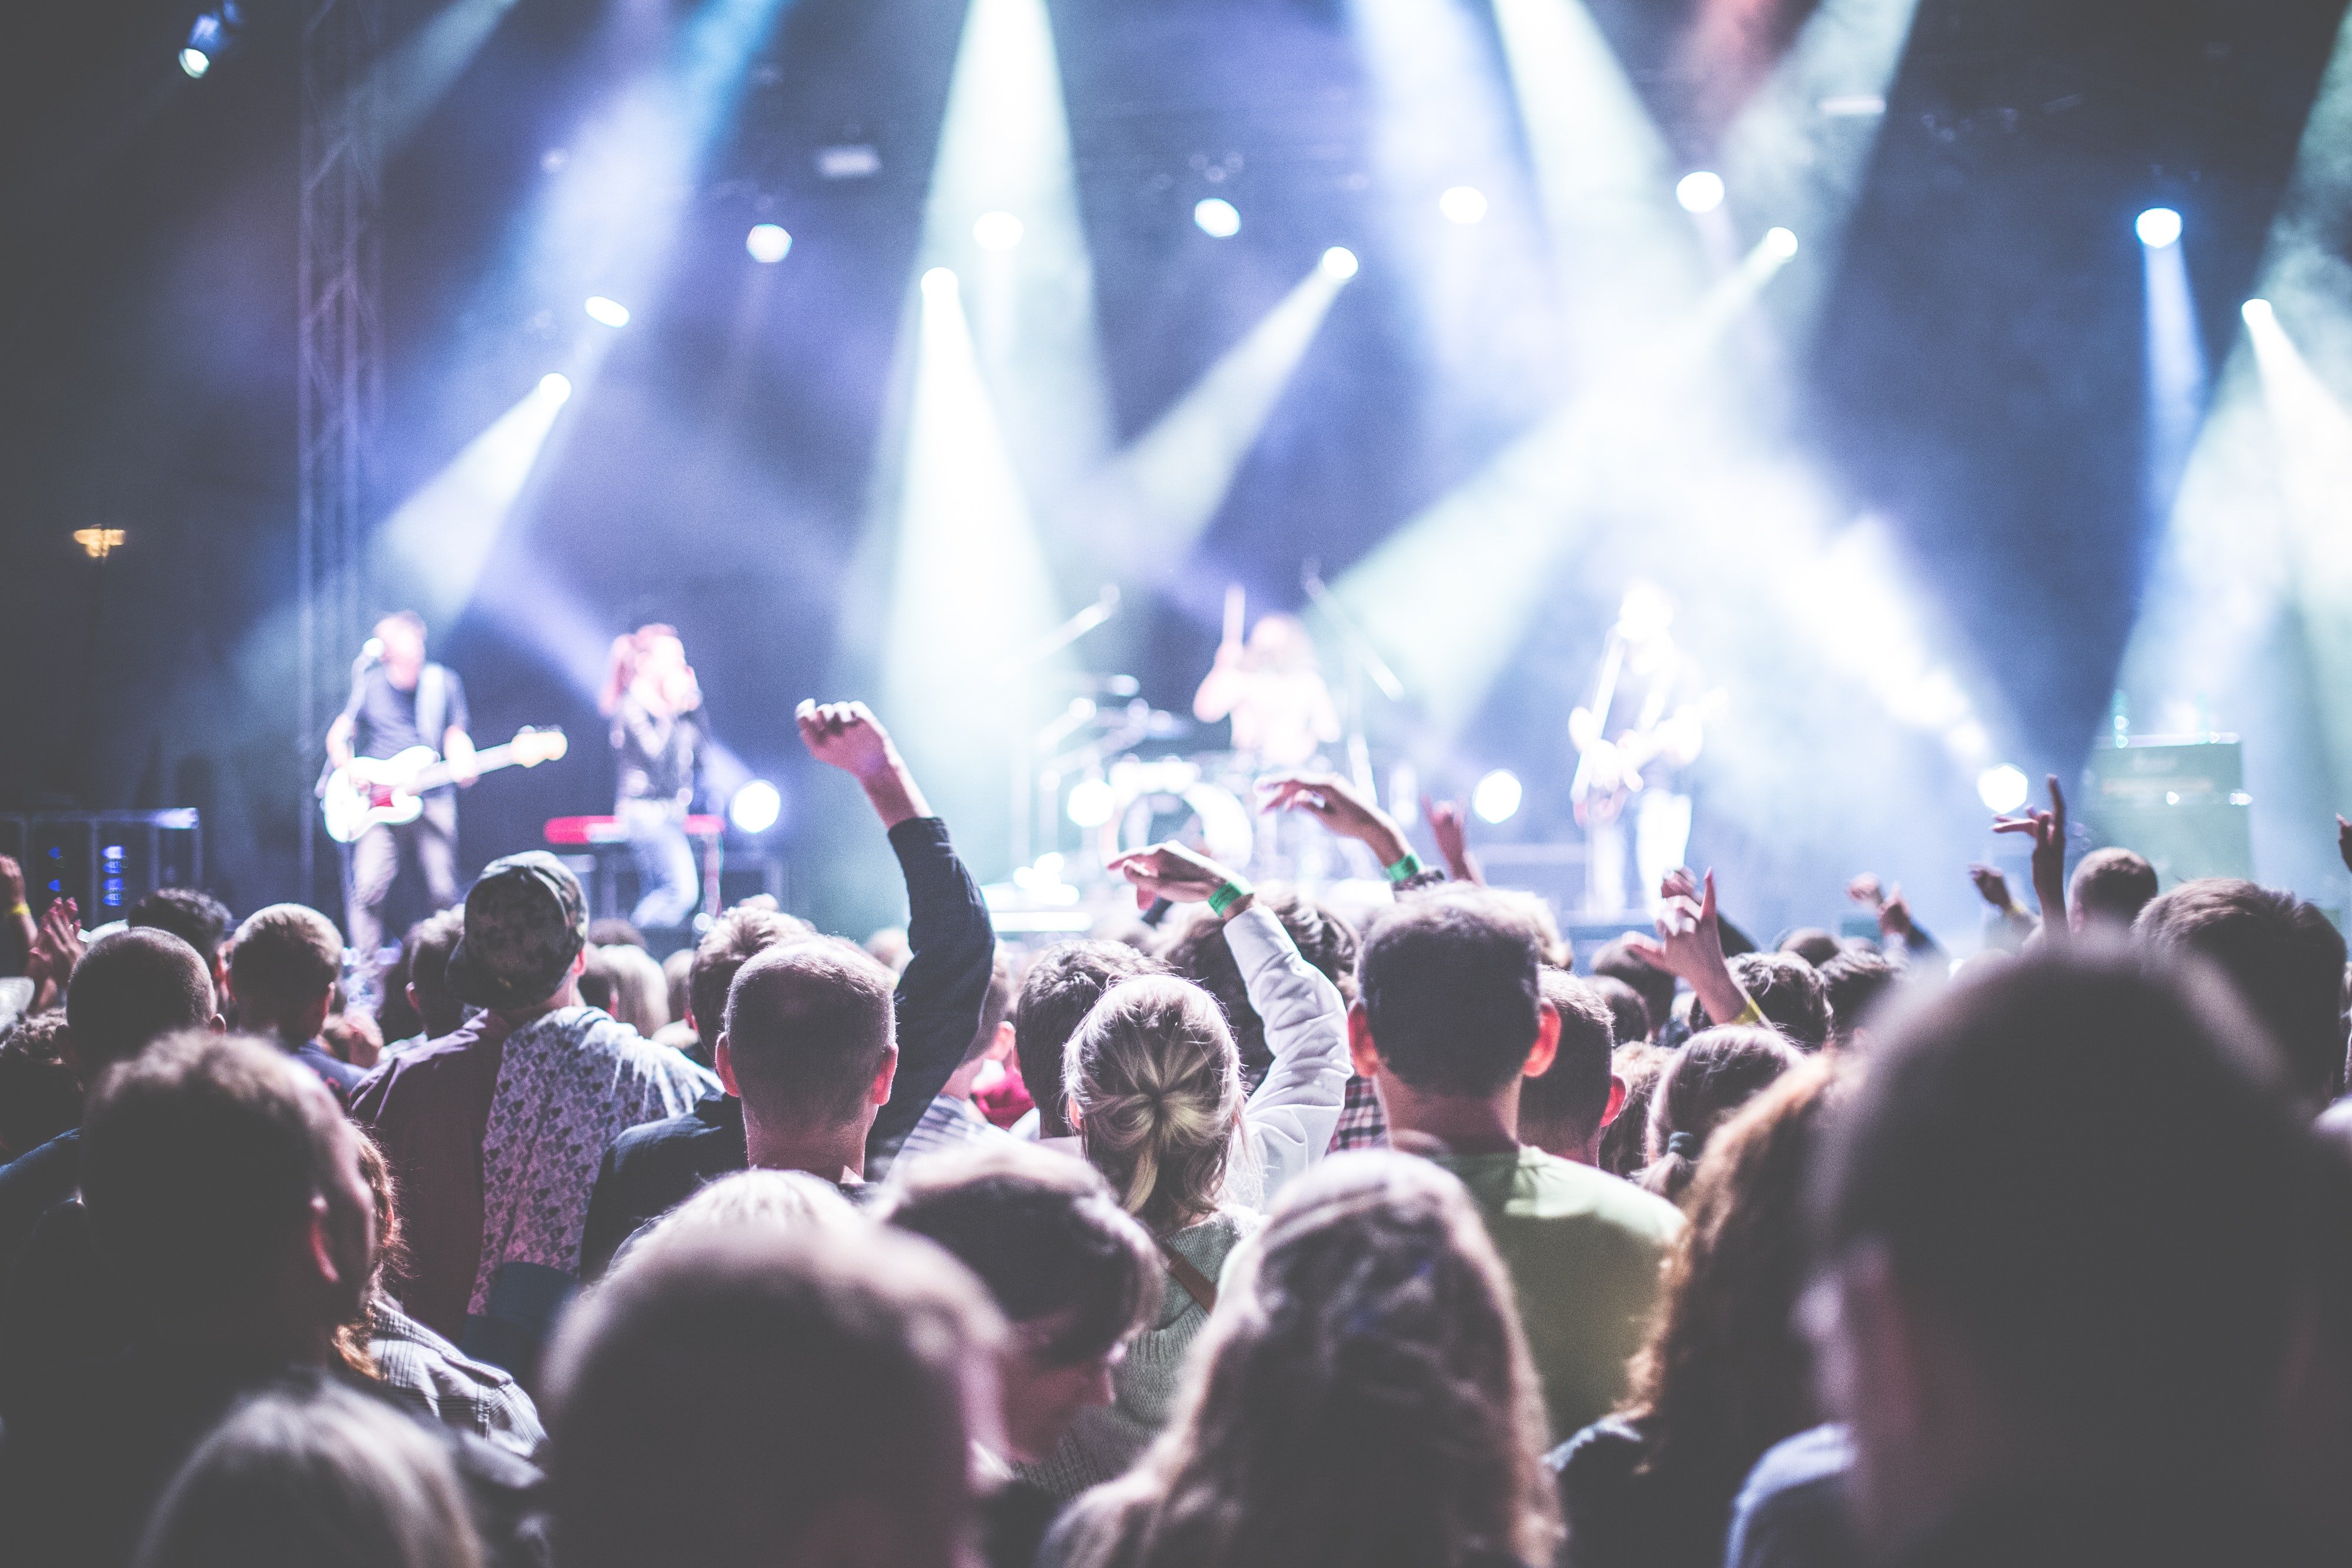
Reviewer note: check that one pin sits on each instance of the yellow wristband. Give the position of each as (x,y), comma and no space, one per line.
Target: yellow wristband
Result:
(22,908)
(1750,1014)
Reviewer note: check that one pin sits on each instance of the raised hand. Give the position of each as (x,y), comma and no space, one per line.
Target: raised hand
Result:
(1993,887)
(2048,831)
(1689,946)
(56,950)
(1895,914)
(1449,825)
(1171,872)
(848,736)
(1333,801)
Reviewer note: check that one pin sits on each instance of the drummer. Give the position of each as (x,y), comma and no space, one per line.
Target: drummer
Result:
(1273,690)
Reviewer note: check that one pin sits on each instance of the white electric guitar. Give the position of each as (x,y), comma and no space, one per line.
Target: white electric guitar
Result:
(391,790)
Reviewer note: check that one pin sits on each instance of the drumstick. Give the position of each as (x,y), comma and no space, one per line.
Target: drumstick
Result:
(1234,612)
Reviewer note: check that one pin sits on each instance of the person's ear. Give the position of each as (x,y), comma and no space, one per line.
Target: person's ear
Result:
(1546,1045)
(1362,1053)
(218,1024)
(722,1062)
(320,1244)
(1000,1049)
(416,1003)
(1616,1107)
(882,1076)
(579,962)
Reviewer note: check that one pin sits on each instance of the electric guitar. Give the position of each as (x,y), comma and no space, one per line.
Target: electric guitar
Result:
(390,789)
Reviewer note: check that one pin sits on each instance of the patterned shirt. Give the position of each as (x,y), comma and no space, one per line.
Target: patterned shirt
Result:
(432,1376)
(948,1122)
(1363,1123)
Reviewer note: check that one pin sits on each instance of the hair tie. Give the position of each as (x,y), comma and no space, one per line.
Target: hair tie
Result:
(1685,1146)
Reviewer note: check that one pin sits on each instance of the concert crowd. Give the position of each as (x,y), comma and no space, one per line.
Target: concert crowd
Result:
(1277,1235)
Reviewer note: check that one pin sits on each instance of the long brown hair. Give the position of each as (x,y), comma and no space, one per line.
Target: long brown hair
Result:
(1724,1374)
(629,651)
(1363,1397)
(1705,1085)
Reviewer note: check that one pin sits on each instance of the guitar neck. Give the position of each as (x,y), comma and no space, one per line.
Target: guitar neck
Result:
(440,773)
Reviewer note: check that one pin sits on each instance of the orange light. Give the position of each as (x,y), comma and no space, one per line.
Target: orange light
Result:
(98,543)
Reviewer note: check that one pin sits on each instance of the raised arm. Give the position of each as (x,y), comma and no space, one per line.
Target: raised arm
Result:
(939,996)
(1689,946)
(2048,831)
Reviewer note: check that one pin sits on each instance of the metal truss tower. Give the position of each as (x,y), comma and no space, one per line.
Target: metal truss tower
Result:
(339,337)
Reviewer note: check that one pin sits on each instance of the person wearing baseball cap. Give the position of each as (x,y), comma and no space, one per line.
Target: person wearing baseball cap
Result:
(494,1130)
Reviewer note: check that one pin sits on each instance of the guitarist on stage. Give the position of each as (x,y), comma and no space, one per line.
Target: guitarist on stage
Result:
(398,701)
(1646,722)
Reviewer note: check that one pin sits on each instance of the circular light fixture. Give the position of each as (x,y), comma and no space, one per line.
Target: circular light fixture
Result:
(1780,242)
(2158,227)
(195,62)
(768,243)
(1700,191)
(2003,789)
(611,312)
(1462,204)
(1092,800)
(1218,218)
(756,807)
(555,386)
(2257,312)
(996,231)
(1339,264)
(940,284)
(1496,797)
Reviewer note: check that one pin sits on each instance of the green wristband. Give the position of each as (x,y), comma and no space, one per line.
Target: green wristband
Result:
(1225,897)
(1405,870)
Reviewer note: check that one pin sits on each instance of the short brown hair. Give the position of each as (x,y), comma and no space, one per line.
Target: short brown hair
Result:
(1572,1095)
(1629,1015)
(807,1025)
(133,987)
(1786,990)
(743,932)
(2111,884)
(775,1374)
(1450,985)
(286,956)
(2280,953)
(1200,953)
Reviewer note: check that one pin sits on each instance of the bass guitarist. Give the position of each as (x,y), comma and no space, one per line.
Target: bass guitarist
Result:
(1644,724)
(400,700)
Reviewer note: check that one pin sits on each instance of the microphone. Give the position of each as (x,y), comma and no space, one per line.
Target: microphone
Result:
(372,650)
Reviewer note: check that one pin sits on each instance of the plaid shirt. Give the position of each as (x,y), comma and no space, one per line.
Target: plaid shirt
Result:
(1362,1126)
(432,1376)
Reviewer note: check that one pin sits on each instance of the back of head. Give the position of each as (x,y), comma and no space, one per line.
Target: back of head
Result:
(1856,981)
(1703,1085)
(2282,956)
(1156,1086)
(1564,1107)
(39,1094)
(995,1005)
(1812,943)
(1450,986)
(192,914)
(313,1476)
(676,969)
(199,1162)
(612,931)
(1062,987)
(2109,888)
(1629,1015)
(1371,1401)
(640,995)
(287,958)
(132,988)
(802,1391)
(1786,990)
(2089,1174)
(1200,953)
(807,1025)
(1044,1232)
(785,1200)
(735,937)
(1654,986)
(1625,1142)
(427,949)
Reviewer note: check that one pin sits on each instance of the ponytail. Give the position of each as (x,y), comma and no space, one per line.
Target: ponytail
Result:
(1155,1084)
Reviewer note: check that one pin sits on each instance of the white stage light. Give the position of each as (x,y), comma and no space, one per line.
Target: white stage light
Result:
(2002,789)
(555,386)
(1700,191)
(611,312)
(768,243)
(2158,227)
(940,284)
(1462,204)
(756,807)
(996,231)
(1496,797)
(2257,312)
(1782,243)
(1217,218)
(1340,263)
(1092,800)
(195,62)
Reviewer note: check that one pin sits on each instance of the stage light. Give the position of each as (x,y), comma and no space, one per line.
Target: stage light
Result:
(1092,801)
(555,386)
(1217,218)
(2257,312)
(209,37)
(1780,242)
(1463,203)
(1700,191)
(1496,797)
(611,312)
(940,283)
(755,807)
(2158,227)
(195,61)
(996,231)
(1339,264)
(768,243)
(2003,789)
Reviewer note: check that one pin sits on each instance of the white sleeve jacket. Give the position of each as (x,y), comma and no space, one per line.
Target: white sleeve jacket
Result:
(1289,1121)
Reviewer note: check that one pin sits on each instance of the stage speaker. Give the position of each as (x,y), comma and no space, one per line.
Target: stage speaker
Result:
(104,860)
(2181,804)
